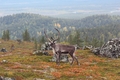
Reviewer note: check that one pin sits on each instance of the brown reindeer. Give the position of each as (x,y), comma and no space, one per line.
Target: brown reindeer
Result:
(59,49)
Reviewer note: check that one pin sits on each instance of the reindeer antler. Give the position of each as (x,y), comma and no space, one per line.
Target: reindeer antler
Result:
(47,36)
(58,34)
(52,39)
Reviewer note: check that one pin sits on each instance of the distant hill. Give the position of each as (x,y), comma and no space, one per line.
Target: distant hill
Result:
(35,23)
(60,8)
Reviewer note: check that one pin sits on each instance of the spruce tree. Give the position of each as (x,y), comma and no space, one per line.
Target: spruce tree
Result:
(6,35)
(76,38)
(26,36)
(35,43)
(42,40)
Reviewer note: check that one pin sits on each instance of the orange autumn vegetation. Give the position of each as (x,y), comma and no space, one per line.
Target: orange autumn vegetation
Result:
(56,74)
(23,65)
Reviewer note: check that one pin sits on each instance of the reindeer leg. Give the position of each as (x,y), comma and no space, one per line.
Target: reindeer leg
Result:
(56,58)
(72,60)
(72,57)
(56,55)
(76,60)
(59,59)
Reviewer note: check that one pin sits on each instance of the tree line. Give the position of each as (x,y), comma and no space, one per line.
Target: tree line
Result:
(81,36)
(25,35)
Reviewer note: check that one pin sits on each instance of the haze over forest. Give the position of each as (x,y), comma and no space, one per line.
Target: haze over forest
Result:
(60,8)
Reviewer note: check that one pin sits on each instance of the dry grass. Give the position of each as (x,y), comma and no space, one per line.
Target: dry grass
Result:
(24,66)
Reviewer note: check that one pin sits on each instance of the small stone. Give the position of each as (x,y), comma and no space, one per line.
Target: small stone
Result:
(103,78)
(4,61)
(38,79)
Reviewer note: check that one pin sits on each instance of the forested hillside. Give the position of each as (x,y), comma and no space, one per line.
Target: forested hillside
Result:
(35,24)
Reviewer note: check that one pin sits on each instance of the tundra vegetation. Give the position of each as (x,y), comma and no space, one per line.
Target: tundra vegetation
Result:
(21,64)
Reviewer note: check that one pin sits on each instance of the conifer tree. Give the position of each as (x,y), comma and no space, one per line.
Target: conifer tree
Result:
(26,36)
(6,35)
(42,40)
(35,43)
(74,38)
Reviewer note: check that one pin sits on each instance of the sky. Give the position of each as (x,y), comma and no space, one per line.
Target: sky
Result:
(58,7)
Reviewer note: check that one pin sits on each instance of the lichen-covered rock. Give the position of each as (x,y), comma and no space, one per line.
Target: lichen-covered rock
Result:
(63,58)
(110,49)
(3,50)
(39,52)
(6,78)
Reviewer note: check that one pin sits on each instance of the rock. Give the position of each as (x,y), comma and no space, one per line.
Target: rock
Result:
(63,58)
(89,77)
(4,61)
(87,47)
(103,78)
(46,46)
(3,50)
(110,49)
(40,52)
(96,51)
(6,78)
(1,78)
(43,50)
(38,79)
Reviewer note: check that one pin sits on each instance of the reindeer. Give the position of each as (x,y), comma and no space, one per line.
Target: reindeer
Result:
(59,49)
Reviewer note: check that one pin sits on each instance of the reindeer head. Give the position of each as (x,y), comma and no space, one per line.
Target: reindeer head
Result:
(51,40)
